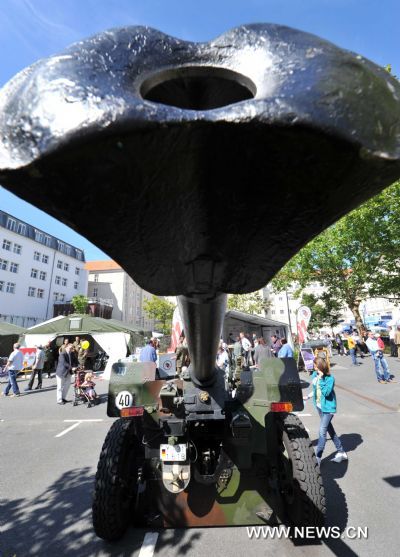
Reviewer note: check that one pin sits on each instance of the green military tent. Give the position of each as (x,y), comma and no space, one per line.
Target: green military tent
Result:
(9,334)
(114,337)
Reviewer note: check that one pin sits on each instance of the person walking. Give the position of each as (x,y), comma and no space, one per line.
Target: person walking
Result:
(37,368)
(351,343)
(14,366)
(66,366)
(379,360)
(324,398)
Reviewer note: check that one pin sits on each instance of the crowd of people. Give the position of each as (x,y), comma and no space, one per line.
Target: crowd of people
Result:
(64,361)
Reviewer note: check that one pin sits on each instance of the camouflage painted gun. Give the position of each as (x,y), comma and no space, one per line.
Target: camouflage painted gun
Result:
(186,149)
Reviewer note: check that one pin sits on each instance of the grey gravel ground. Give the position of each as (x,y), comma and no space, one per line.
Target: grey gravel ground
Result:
(46,481)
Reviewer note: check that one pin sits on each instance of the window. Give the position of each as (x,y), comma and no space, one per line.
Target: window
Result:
(42,275)
(273,312)
(66,266)
(36,256)
(11,224)
(34,273)
(76,285)
(39,236)
(55,296)
(79,254)
(282,312)
(10,288)
(45,258)
(17,249)
(3,265)
(280,298)
(14,267)
(47,241)
(1,285)
(40,293)
(64,282)
(64,248)
(96,278)
(58,280)
(62,297)
(7,245)
(31,291)
(21,228)
(95,290)
(77,270)
(59,264)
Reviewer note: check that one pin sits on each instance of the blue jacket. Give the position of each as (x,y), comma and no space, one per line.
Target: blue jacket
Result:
(148,354)
(285,352)
(328,397)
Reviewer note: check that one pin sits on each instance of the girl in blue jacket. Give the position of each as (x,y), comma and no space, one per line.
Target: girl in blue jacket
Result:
(324,399)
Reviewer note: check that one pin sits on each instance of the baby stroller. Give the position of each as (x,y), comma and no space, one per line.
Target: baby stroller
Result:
(80,391)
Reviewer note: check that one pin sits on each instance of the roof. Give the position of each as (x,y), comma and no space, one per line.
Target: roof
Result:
(87,325)
(107,265)
(14,224)
(10,329)
(254,319)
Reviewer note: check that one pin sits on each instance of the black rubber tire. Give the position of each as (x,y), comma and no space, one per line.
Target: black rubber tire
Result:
(116,481)
(304,494)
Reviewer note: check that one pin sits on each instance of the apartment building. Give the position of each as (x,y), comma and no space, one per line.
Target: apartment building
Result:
(36,270)
(108,282)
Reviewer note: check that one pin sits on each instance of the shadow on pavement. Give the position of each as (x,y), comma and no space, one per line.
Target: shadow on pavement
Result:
(58,522)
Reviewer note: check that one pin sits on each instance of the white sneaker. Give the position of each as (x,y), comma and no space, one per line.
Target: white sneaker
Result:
(339,457)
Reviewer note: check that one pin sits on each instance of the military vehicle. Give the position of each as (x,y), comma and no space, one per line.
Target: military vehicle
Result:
(210,164)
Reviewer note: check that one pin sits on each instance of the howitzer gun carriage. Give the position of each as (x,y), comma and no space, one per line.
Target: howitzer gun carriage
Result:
(166,136)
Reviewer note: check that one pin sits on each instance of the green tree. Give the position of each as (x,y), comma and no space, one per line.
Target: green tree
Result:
(356,258)
(161,311)
(79,303)
(248,303)
(325,310)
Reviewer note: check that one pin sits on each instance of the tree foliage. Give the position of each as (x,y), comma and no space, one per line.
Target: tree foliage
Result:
(161,311)
(248,303)
(356,258)
(325,310)
(79,303)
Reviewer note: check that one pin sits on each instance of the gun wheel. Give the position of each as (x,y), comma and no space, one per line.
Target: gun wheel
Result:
(116,481)
(301,483)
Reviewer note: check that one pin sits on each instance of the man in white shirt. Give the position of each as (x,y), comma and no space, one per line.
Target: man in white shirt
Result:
(246,345)
(379,360)
(14,366)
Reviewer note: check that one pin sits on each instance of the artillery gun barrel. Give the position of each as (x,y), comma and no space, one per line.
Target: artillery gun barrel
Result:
(202,321)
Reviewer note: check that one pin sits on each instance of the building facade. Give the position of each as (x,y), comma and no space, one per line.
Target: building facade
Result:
(36,270)
(108,282)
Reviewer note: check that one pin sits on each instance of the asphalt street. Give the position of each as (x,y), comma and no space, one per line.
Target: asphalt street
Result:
(48,463)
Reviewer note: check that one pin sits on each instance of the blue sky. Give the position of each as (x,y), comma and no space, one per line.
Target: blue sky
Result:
(33,29)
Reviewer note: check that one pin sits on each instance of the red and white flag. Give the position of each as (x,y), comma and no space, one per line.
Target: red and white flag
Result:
(303,319)
(177,328)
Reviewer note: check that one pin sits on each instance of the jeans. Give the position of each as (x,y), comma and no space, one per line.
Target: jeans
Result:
(353,356)
(326,426)
(12,382)
(380,362)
